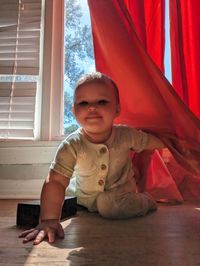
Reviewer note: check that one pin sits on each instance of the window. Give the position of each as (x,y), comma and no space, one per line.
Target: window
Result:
(79,56)
(35,99)
(167,58)
(20,31)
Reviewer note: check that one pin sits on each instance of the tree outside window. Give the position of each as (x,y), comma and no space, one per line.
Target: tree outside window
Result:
(79,56)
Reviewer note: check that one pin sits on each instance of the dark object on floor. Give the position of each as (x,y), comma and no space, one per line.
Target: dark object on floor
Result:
(28,212)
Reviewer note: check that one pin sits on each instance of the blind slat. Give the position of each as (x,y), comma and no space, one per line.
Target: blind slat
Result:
(18,22)
(25,42)
(17,100)
(20,36)
(16,116)
(19,56)
(17,108)
(12,2)
(16,133)
(23,15)
(27,6)
(18,85)
(16,124)
(20,31)
(25,26)
(21,49)
(17,93)
(13,21)
(20,71)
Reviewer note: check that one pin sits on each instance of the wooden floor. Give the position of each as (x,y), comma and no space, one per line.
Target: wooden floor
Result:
(168,237)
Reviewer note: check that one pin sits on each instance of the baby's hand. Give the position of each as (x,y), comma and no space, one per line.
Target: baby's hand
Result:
(46,228)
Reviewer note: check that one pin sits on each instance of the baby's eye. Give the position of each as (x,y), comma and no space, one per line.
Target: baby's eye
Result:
(102,102)
(83,103)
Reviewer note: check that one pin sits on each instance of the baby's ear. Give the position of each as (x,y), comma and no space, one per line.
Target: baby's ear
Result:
(73,109)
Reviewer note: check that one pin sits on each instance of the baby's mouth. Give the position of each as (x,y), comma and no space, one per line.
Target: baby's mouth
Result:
(93,117)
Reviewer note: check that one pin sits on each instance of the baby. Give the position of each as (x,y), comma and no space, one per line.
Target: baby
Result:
(94,162)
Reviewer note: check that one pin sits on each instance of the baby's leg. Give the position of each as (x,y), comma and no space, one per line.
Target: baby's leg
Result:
(120,204)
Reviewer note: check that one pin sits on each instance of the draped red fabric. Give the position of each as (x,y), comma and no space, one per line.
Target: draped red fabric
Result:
(185,49)
(148,20)
(147,99)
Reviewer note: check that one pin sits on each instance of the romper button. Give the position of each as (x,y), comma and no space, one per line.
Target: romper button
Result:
(103,167)
(103,150)
(100,182)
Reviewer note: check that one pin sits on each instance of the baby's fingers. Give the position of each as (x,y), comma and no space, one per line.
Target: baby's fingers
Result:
(31,236)
(40,237)
(51,236)
(24,233)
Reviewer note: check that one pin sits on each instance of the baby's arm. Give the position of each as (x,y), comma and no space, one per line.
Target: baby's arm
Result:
(154,143)
(52,198)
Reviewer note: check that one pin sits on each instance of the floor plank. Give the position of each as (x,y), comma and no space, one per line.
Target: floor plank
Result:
(168,237)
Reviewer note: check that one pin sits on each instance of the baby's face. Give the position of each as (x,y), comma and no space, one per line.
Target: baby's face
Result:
(95,107)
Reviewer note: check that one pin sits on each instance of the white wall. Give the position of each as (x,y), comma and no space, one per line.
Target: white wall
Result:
(23,167)
(25,164)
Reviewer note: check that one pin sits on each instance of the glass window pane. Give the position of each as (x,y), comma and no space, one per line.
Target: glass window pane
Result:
(79,56)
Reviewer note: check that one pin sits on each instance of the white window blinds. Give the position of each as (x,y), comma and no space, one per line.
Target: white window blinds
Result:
(20,30)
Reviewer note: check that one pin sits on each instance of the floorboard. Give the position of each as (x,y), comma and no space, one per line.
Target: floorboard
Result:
(168,237)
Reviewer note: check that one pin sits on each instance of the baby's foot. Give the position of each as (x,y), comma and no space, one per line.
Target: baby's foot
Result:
(152,202)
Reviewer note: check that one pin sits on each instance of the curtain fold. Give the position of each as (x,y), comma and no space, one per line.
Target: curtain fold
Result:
(148,101)
(148,19)
(185,50)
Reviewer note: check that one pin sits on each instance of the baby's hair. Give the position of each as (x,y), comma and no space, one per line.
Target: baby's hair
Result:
(97,77)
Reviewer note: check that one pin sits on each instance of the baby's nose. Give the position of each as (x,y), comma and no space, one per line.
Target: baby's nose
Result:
(92,106)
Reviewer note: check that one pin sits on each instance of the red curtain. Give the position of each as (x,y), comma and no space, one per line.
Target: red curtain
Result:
(148,20)
(147,99)
(185,50)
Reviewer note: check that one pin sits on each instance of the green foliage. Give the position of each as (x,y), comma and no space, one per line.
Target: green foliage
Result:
(78,43)
(70,129)
(78,50)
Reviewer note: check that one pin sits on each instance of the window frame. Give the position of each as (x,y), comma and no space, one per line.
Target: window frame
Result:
(21,28)
(24,163)
(49,101)
(52,76)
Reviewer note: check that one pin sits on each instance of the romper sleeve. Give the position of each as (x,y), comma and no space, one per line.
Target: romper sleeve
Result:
(139,140)
(65,159)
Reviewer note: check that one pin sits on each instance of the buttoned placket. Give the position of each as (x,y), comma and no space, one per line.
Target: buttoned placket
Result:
(103,166)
